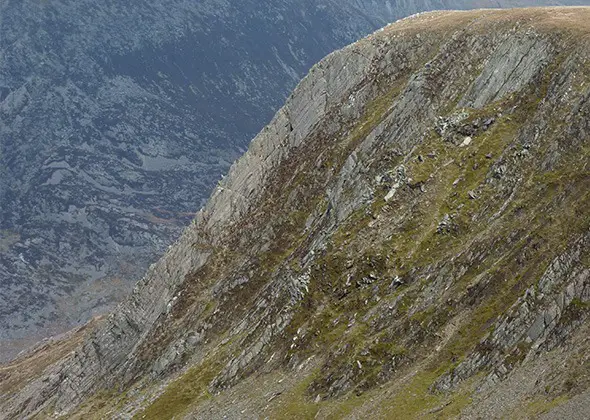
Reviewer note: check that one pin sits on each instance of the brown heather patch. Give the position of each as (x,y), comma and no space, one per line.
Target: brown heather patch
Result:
(16,374)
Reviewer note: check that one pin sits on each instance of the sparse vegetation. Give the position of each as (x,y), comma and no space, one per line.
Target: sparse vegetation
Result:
(189,389)
(401,319)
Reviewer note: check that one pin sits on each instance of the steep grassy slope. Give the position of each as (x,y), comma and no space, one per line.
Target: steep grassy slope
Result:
(118,118)
(408,238)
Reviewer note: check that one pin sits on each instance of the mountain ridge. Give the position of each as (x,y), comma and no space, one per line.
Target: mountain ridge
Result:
(413,215)
(117,120)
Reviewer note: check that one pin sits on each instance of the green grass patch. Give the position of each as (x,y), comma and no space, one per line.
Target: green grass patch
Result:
(542,405)
(191,388)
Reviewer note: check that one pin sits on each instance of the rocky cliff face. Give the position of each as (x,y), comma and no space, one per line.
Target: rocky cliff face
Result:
(116,120)
(409,237)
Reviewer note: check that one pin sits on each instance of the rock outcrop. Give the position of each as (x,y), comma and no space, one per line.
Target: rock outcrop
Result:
(409,236)
(117,120)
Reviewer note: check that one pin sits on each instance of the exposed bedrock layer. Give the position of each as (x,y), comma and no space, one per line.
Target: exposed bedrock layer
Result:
(408,237)
(117,120)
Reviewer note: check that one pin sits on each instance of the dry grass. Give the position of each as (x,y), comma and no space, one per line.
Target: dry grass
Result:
(542,18)
(14,375)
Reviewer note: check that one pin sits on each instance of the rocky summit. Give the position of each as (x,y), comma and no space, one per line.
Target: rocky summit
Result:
(118,118)
(408,238)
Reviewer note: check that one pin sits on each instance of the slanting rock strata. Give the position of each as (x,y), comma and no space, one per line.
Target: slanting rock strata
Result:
(363,258)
